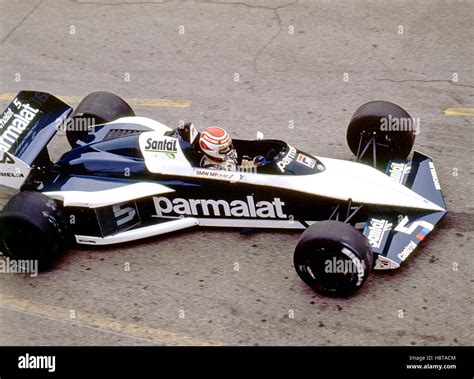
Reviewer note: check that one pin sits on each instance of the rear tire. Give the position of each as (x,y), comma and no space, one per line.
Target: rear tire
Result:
(333,258)
(96,108)
(372,120)
(32,227)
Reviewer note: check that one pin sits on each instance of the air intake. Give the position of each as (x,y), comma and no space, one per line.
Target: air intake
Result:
(116,133)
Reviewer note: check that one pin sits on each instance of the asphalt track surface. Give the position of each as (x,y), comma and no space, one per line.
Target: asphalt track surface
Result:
(276,67)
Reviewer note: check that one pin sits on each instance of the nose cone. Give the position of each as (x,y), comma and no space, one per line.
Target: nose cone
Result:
(364,184)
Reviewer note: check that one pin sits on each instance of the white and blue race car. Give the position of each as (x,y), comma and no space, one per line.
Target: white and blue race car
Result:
(127,177)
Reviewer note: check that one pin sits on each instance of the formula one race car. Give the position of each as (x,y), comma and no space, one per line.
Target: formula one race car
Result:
(129,177)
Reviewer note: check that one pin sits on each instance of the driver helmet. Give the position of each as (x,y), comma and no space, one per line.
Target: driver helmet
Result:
(216,143)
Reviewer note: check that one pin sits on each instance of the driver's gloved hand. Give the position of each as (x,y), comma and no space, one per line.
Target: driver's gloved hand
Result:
(260,160)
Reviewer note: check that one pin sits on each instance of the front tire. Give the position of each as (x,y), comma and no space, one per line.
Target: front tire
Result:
(333,258)
(391,127)
(32,227)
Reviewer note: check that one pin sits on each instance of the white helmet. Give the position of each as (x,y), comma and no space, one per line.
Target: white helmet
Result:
(216,143)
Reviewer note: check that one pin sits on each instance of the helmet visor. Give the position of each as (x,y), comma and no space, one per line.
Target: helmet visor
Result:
(226,149)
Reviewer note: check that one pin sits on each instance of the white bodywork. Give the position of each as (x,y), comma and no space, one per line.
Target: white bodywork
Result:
(112,196)
(135,234)
(143,121)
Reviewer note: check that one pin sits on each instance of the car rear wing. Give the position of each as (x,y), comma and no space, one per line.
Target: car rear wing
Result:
(26,126)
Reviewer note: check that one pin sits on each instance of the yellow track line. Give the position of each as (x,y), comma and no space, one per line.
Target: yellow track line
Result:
(157,335)
(132,101)
(459,111)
